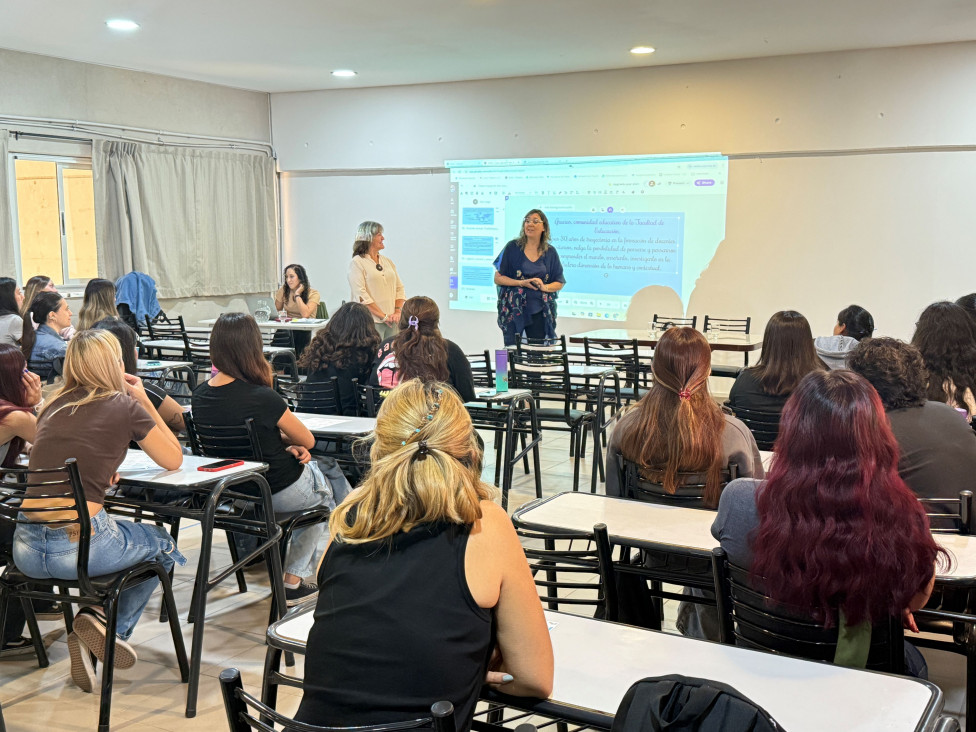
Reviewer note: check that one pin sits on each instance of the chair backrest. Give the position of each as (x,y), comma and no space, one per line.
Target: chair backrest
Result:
(482,369)
(63,483)
(238,705)
(370,398)
(951,515)
(239,441)
(726,325)
(163,327)
(749,618)
(624,356)
(689,493)
(563,562)
(544,373)
(546,345)
(317,397)
(763,425)
(675,321)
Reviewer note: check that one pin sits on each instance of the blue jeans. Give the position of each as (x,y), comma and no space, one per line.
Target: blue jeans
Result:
(311,490)
(45,553)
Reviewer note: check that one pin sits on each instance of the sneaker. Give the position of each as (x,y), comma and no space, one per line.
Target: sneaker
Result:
(20,648)
(304,592)
(91,631)
(48,611)
(82,672)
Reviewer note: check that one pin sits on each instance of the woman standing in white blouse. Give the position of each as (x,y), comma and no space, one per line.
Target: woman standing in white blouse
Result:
(373,279)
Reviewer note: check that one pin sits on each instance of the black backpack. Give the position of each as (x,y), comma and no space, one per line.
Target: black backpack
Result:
(677,703)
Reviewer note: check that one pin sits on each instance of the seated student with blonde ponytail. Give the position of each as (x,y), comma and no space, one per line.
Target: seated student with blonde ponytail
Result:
(50,314)
(419,351)
(423,581)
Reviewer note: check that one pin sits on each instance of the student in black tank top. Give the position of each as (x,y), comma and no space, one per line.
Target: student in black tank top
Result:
(423,581)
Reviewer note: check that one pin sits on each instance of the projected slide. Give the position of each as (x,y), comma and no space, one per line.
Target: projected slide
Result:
(620,224)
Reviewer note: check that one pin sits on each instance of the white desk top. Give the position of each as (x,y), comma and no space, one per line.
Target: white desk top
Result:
(800,695)
(144,365)
(631,522)
(583,369)
(490,395)
(165,343)
(717,340)
(306,324)
(139,467)
(327,424)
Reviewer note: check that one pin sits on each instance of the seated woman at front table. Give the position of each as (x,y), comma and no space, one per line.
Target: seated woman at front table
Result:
(419,351)
(11,323)
(99,303)
(833,531)
(787,356)
(241,390)
(854,324)
(946,337)
(343,349)
(167,407)
(44,347)
(529,274)
(298,300)
(427,582)
(92,418)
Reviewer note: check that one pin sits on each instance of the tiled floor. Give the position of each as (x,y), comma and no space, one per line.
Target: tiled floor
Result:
(150,697)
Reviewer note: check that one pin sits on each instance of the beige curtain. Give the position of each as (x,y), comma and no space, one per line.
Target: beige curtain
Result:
(8,261)
(199,222)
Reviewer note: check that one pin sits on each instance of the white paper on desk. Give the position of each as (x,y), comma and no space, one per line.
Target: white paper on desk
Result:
(320,423)
(137,462)
(551,625)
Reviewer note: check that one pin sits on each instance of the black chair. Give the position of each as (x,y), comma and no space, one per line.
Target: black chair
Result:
(103,591)
(637,484)
(953,515)
(319,397)
(163,327)
(572,568)
(370,398)
(482,369)
(763,425)
(624,357)
(546,375)
(238,704)
(241,442)
(664,322)
(750,619)
(943,724)
(728,325)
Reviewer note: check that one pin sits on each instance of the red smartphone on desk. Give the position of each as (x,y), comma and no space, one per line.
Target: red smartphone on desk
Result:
(220,465)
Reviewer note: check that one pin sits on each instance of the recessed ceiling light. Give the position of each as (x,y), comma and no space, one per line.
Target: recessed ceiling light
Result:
(120,24)
(344,73)
(642,49)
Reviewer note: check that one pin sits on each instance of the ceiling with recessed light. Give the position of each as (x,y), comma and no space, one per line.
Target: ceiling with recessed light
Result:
(294,45)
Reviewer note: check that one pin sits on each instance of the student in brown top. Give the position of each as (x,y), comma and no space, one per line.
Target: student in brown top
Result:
(92,418)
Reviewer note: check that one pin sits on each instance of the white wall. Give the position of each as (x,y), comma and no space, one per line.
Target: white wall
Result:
(807,229)
(41,86)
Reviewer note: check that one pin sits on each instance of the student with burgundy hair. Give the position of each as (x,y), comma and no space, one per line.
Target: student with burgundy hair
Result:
(833,531)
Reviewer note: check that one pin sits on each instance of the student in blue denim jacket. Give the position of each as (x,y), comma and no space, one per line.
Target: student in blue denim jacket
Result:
(51,314)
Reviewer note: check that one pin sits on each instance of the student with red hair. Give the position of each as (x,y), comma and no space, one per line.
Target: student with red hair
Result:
(833,532)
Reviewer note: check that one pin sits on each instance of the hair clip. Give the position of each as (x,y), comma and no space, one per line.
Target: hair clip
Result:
(684,395)
(422,451)
(413,322)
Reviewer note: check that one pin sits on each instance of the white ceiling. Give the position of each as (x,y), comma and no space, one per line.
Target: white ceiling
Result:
(292,45)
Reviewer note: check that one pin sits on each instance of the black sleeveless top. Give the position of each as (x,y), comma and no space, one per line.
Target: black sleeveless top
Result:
(396,629)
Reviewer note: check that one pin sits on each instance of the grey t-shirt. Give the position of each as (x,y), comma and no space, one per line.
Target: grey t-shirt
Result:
(11,329)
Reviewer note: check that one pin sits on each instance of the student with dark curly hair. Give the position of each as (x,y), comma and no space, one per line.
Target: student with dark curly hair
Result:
(937,448)
(343,349)
(854,323)
(946,337)
(968,303)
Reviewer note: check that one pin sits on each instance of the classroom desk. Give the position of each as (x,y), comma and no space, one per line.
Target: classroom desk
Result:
(738,342)
(328,426)
(309,325)
(596,662)
(172,344)
(200,493)
(646,525)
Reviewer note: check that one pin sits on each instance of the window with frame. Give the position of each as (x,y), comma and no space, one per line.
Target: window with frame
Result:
(54,223)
